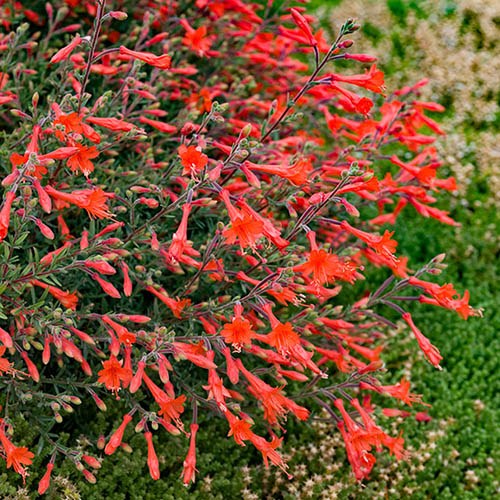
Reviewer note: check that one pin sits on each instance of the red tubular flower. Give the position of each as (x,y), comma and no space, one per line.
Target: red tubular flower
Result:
(275,404)
(298,174)
(364,58)
(5,214)
(324,266)
(303,25)
(32,369)
(136,381)
(6,339)
(383,245)
(431,352)
(239,429)
(64,53)
(44,483)
(268,450)
(92,200)
(170,408)
(101,266)
(215,387)
(127,282)
(153,464)
(372,80)
(189,469)
(67,299)
(43,197)
(180,249)
(107,287)
(113,124)
(231,369)
(175,305)
(116,439)
(161,62)
(399,391)
(91,461)
(16,456)
(162,127)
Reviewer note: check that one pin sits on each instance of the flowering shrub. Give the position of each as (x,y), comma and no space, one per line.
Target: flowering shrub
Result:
(189,192)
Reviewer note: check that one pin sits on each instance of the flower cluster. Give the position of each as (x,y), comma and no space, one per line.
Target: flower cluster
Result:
(184,203)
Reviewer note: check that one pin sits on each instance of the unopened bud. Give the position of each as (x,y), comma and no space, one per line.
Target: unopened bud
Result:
(126,447)
(118,15)
(246,130)
(101,442)
(346,44)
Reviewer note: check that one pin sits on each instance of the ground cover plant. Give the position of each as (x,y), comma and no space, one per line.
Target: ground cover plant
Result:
(193,194)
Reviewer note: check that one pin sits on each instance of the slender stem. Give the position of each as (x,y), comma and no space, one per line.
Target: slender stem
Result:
(93,45)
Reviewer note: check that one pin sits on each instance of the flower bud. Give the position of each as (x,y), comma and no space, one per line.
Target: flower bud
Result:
(118,15)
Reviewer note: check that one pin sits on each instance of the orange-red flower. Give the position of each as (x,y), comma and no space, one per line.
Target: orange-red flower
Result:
(16,456)
(239,332)
(5,214)
(372,80)
(189,469)
(431,352)
(67,299)
(244,228)
(162,62)
(91,200)
(114,374)
(116,439)
(383,245)
(5,364)
(80,161)
(298,174)
(192,158)
(63,53)
(196,39)
(153,463)
(325,266)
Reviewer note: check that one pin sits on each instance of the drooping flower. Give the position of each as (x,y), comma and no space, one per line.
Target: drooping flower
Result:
(275,404)
(189,468)
(44,483)
(5,214)
(116,438)
(431,352)
(153,463)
